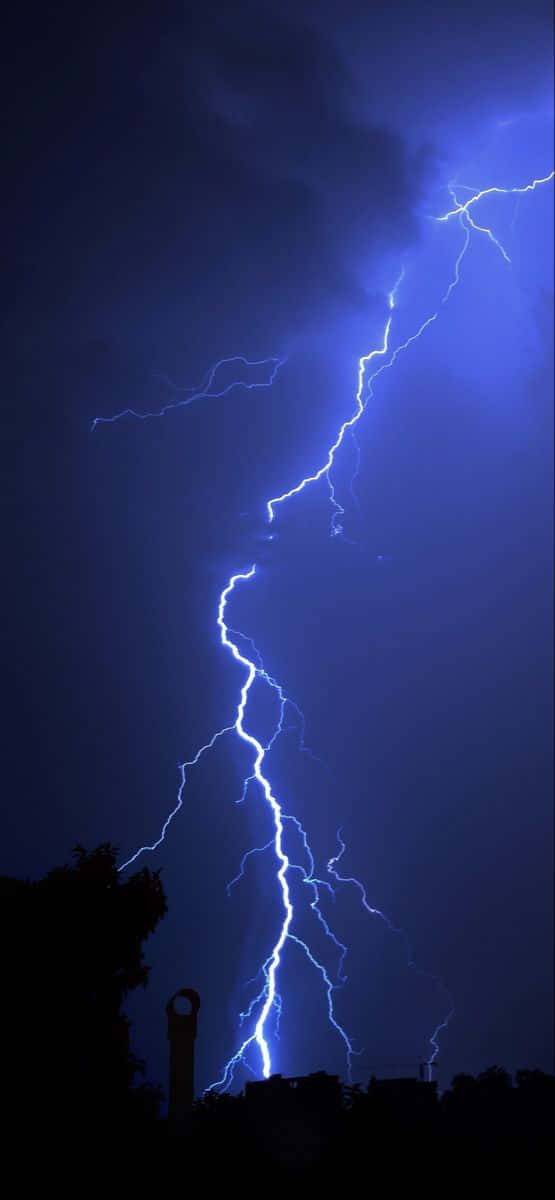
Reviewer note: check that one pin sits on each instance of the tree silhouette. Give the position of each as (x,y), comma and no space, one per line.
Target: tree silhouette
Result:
(72,951)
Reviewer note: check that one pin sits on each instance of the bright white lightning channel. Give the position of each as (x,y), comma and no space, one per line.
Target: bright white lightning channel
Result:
(268,997)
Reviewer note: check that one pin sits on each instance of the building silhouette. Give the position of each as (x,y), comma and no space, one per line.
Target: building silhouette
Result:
(182,1032)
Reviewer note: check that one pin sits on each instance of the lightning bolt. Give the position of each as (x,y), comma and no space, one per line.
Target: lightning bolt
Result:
(268,998)
(324,470)
(204,391)
(494,191)
(376,912)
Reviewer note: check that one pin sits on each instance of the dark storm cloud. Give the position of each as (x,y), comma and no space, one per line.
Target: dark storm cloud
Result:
(201,162)
(290,176)
(187,181)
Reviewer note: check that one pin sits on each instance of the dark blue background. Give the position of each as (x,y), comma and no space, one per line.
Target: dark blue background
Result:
(187,182)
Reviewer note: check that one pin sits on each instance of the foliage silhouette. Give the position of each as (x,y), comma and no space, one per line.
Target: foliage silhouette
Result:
(72,951)
(396,1123)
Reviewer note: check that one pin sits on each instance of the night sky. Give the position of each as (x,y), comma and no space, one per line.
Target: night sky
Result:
(192,181)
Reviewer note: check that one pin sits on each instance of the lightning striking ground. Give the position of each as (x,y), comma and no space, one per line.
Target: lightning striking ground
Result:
(268,999)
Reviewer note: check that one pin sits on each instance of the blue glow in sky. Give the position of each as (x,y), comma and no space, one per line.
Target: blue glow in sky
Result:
(271,190)
(269,1000)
